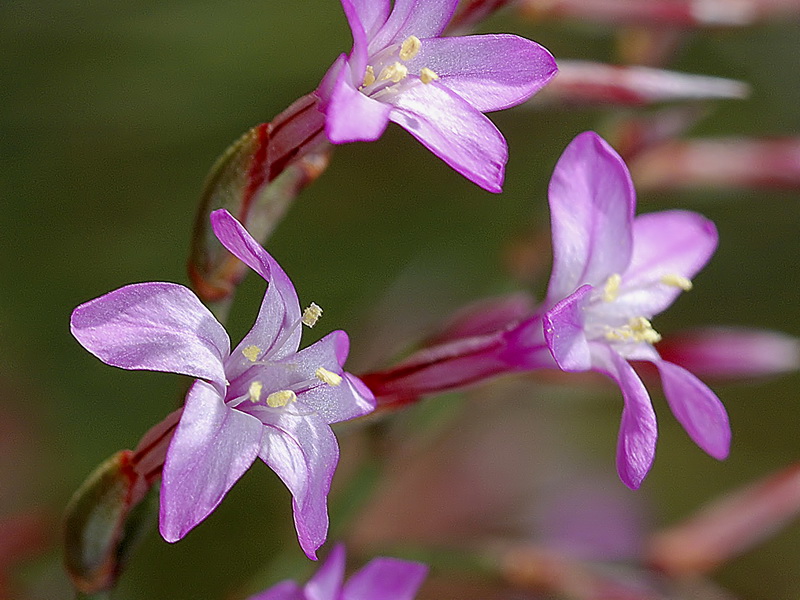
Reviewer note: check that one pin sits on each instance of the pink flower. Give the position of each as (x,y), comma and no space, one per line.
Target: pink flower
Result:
(612,273)
(265,399)
(436,88)
(380,579)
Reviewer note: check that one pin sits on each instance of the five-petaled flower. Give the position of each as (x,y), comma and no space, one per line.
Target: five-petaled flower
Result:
(612,273)
(435,87)
(380,579)
(266,399)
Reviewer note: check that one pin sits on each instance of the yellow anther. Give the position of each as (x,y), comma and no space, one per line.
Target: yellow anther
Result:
(281,398)
(643,330)
(427,75)
(678,281)
(255,390)
(328,377)
(395,73)
(410,48)
(611,289)
(369,76)
(251,353)
(311,315)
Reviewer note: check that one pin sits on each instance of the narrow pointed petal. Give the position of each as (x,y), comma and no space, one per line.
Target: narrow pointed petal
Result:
(485,317)
(153,327)
(453,130)
(333,403)
(285,590)
(212,447)
(387,579)
(327,581)
(371,14)
(280,309)
(353,117)
(565,335)
(674,242)
(697,408)
(491,72)
(636,446)
(303,451)
(592,201)
(422,18)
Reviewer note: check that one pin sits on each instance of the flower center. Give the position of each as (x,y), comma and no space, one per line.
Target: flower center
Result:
(612,312)
(387,69)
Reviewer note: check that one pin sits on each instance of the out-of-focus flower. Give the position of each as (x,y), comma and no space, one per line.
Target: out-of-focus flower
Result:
(720,163)
(380,579)
(434,87)
(612,273)
(587,82)
(733,352)
(264,399)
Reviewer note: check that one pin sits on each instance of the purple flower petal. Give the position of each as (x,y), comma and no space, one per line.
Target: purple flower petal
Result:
(303,451)
(353,117)
(591,209)
(327,581)
(565,335)
(153,327)
(212,447)
(358,55)
(422,18)
(666,243)
(371,14)
(285,590)
(697,408)
(385,579)
(453,130)
(636,446)
(276,330)
(491,72)
(332,403)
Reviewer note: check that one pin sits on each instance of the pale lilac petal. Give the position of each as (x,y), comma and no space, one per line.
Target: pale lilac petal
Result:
(327,581)
(565,335)
(212,447)
(491,72)
(371,14)
(697,408)
(672,242)
(422,18)
(592,201)
(276,329)
(285,590)
(453,130)
(153,327)
(732,352)
(303,451)
(358,56)
(353,117)
(636,446)
(385,579)
(328,84)
(332,403)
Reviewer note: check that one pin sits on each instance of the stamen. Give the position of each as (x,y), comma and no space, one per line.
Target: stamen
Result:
(369,76)
(638,329)
(611,289)
(281,398)
(395,72)
(255,391)
(251,353)
(311,315)
(410,48)
(328,377)
(427,75)
(678,281)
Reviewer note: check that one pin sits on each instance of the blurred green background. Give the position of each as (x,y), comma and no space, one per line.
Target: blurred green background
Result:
(111,114)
